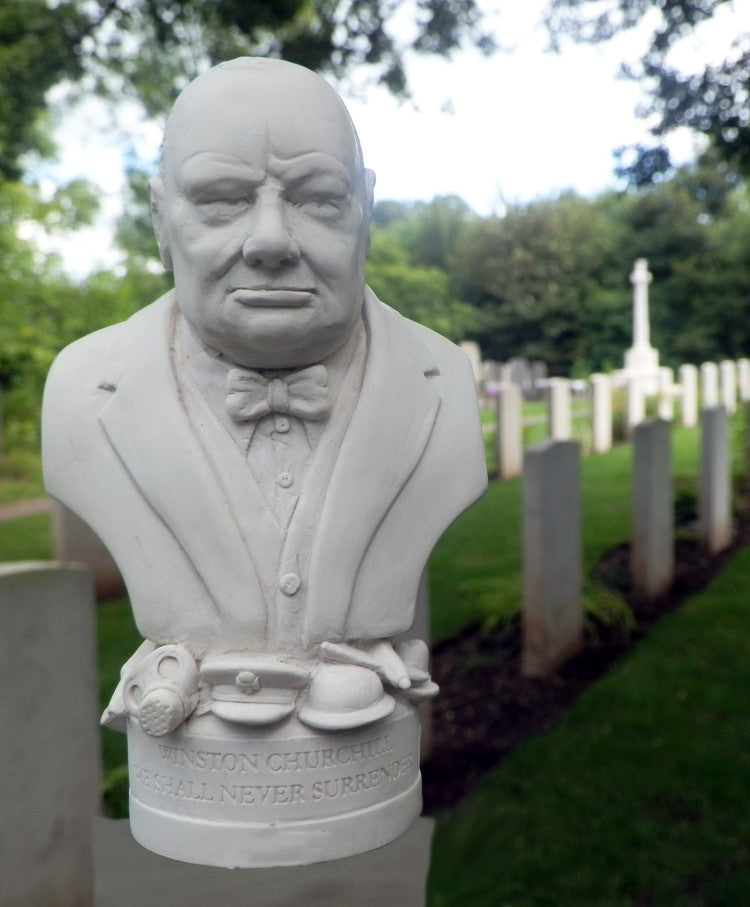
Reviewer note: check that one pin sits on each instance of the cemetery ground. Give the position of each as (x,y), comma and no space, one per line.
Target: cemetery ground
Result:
(630,790)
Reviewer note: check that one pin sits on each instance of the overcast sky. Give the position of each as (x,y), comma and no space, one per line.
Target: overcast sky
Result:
(519,125)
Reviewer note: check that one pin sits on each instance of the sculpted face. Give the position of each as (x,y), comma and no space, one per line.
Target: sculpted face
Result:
(263,214)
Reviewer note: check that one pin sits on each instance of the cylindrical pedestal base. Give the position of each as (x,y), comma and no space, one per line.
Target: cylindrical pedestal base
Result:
(238,797)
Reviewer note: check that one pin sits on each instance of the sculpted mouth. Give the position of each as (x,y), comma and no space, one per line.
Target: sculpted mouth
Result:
(279,297)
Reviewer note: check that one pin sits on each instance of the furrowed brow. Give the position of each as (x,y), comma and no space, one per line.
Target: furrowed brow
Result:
(308,166)
(208,171)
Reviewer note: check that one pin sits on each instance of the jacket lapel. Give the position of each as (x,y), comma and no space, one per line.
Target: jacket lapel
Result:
(146,422)
(384,443)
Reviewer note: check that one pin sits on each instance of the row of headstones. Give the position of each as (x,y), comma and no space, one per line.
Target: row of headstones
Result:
(552,578)
(530,376)
(713,385)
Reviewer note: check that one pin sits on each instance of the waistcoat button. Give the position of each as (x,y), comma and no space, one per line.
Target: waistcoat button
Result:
(289,583)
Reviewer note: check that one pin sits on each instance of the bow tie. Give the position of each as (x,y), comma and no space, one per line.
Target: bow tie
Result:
(303,394)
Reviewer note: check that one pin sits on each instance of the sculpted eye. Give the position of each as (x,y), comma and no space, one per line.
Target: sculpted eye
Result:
(319,205)
(221,210)
(322,196)
(324,204)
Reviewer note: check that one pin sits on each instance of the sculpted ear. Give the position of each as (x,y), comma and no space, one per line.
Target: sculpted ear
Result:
(156,191)
(369,200)
(369,189)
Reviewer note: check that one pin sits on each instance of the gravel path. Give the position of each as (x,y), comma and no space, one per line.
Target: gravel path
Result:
(24,508)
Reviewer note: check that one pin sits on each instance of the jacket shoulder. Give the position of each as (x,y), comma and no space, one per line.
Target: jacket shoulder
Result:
(79,382)
(442,355)
(101,357)
(458,428)
(448,356)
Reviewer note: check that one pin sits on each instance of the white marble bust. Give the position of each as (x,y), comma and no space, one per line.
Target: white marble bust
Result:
(268,451)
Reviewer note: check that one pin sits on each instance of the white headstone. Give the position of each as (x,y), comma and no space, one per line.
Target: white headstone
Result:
(715,488)
(728,386)
(559,412)
(601,413)
(666,394)
(743,379)
(635,403)
(493,371)
(509,431)
(474,354)
(709,384)
(552,611)
(652,549)
(49,785)
(689,395)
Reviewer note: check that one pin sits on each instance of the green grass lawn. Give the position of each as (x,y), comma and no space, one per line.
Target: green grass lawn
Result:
(117,639)
(12,491)
(20,477)
(639,796)
(27,539)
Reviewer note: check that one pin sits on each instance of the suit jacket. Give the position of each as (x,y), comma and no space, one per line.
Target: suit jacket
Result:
(158,479)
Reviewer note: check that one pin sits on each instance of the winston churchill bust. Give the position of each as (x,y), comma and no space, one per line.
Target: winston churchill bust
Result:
(269,453)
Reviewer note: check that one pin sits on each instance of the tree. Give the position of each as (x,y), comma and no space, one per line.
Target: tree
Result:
(39,313)
(39,47)
(680,226)
(551,279)
(149,49)
(412,259)
(435,229)
(711,100)
(539,275)
(419,292)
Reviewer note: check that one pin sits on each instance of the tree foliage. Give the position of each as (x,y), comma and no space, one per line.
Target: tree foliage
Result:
(37,310)
(39,47)
(549,280)
(149,49)
(411,262)
(538,274)
(421,292)
(712,99)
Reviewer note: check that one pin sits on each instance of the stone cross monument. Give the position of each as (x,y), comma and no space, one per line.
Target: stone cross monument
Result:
(642,360)
(269,453)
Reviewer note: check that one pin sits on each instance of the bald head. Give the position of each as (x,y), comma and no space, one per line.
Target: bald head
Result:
(255,95)
(262,211)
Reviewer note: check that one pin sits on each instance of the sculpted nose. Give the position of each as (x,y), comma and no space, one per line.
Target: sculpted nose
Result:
(269,243)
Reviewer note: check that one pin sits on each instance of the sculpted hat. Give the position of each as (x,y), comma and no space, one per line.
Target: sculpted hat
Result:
(345,696)
(252,689)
